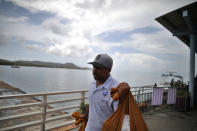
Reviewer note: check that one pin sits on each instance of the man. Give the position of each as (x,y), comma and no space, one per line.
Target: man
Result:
(101,105)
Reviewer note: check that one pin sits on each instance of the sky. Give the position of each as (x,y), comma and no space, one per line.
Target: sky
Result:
(77,30)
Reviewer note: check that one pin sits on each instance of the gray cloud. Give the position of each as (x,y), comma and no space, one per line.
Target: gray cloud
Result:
(87,4)
(4,39)
(57,29)
(73,51)
(76,38)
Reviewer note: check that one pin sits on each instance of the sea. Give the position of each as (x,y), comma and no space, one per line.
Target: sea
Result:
(43,80)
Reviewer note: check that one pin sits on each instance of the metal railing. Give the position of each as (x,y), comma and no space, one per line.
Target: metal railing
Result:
(142,95)
(45,109)
(180,99)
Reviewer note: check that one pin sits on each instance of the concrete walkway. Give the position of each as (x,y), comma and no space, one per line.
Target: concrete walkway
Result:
(169,120)
(166,120)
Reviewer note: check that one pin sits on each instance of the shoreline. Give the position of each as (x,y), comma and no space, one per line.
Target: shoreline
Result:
(6,89)
(48,67)
(161,118)
(5,85)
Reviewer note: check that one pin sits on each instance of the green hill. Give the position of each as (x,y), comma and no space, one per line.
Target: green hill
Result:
(41,64)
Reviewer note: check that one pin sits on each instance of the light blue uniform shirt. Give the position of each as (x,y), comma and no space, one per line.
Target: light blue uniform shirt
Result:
(101,105)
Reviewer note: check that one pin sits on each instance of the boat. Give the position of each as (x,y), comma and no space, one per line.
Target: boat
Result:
(171,78)
(15,66)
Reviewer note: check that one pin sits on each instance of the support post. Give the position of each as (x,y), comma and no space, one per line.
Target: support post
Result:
(192,69)
(44,107)
(83,97)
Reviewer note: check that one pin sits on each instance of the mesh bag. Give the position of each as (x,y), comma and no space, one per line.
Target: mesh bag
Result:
(127,111)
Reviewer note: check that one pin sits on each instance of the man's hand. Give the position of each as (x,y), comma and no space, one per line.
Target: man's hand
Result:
(83,116)
(114,93)
(124,89)
(119,92)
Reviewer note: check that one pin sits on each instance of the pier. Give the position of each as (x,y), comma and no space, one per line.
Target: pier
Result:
(37,111)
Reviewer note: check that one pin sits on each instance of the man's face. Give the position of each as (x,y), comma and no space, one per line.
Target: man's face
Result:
(100,73)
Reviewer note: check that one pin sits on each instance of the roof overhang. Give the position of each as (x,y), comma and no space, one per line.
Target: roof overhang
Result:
(181,22)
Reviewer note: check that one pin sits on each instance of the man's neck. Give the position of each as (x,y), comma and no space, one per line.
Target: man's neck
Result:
(100,82)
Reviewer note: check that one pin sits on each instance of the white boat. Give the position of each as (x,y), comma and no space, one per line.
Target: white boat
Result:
(15,66)
(171,78)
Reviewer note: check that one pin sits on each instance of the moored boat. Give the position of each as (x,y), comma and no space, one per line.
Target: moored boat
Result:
(15,66)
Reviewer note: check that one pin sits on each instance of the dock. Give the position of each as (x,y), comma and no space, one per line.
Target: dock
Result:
(25,112)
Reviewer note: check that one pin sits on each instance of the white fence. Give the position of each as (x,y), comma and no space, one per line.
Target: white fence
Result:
(43,103)
(142,95)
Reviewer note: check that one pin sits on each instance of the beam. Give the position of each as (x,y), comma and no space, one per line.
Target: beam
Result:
(188,21)
(180,33)
(190,26)
(192,69)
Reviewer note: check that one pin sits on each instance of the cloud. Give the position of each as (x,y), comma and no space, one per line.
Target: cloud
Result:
(138,62)
(89,4)
(161,42)
(101,16)
(25,31)
(4,39)
(53,36)
(35,47)
(96,17)
(85,20)
(55,25)
(13,19)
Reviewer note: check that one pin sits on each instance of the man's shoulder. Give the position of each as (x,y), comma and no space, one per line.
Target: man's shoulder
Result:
(114,82)
(93,82)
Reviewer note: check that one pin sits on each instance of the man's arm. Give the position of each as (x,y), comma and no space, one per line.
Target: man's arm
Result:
(124,89)
(119,92)
(85,113)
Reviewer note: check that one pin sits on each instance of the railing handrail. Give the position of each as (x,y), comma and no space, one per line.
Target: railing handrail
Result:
(43,103)
(58,93)
(41,94)
(39,103)
(44,110)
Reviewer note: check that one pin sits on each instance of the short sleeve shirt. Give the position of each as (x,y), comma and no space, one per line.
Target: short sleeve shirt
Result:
(101,105)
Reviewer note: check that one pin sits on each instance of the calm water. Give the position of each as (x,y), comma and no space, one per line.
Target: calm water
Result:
(41,80)
(38,80)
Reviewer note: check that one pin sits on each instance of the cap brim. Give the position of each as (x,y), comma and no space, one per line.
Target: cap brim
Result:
(96,64)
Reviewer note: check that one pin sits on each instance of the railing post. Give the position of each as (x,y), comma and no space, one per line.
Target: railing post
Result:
(138,96)
(44,107)
(83,97)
